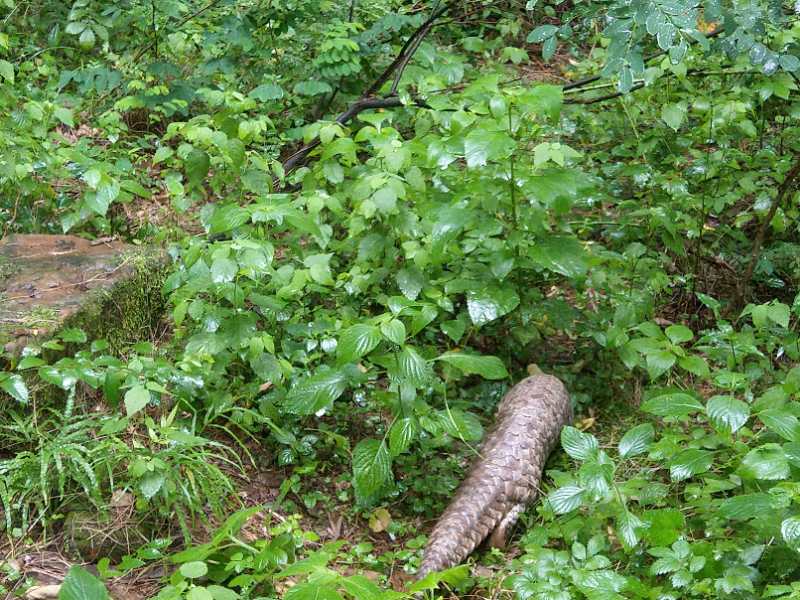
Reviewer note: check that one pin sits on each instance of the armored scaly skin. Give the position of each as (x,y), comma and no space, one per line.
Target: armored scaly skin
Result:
(506,477)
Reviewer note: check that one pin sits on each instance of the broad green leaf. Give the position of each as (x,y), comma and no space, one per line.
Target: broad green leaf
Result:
(316,392)
(14,386)
(194,569)
(228,217)
(87,38)
(790,530)
(454,329)
(488,367)
(482,145)
(410,281)
(488,304)
(659,362)
(541,33)
(372,466)
(357,341)
(727,413)
(637,440)
(566,499)
(222,593)
(151,484)
(602,584)
(672,404)
(778,313)
(782,422)
(162,154)
(312,590)
(689,463)
(413,368)
(673,115)
(311,88)
(678,334)
(579,445)
(319,268)
(196,165)
(199,593)
(746,506)
(64,115)
(394,331)
(267,92)
(694,364)
(767,462)
(7,71)
(403,432)
(561,254)
(628,526)
(136,399)
(79,584)
(462,425)
(223,270)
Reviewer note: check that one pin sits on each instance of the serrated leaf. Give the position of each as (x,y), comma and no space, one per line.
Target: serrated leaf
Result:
(372,466)
(319,268)
(486,305)
(659,362)
(561,254)
(228,217)
(766,462)
(782,422)
(223,270)
(64,115)
(410,281)
(679,334)
(196,164)
(673,115)
(689,463)
(488,367)
(672,404)
(579,445)
(483,145)
(413,368)
(136,399)
(403,432)
(727,413)
(394,331)
(790,531)
(151,483)
(315,393)
(778,313)
(694,364)
(746,506)
(454,329)
(636,440)
(357,341)
(566,499)
(462,425)
(14,386)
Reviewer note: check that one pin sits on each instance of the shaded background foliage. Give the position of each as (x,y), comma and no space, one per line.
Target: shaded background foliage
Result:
(595,211)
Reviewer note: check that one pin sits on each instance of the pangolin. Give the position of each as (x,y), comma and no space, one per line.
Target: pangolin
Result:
(506,476)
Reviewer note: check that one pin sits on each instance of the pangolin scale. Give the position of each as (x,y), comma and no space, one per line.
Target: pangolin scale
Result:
(506,477)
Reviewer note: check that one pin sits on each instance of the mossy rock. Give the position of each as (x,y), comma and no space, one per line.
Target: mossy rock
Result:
(111,290)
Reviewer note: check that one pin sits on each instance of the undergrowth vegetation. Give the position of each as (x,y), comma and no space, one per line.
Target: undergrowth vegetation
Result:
(378,216)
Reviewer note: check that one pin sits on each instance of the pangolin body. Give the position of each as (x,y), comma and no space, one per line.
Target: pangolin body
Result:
(506,477)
